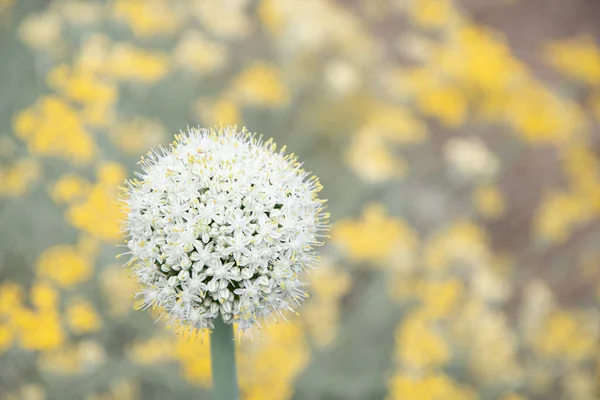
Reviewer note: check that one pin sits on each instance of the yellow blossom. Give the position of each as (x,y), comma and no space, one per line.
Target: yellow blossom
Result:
(6,338)
(64,265)
(195,52)
(44,297)
(271,16)
(432,13)
(53,128)
(321,313)
(418,345)
(118,286)
(73,359)
(69,188)
(439,298)
(136,135)
(583,171)
(81,85)
(152,351)
(448,104)
(483,334)
(395,123)
(216,112)
(98,213)
(11,298)
(376,237)
(261,85)
(81,317)
(40,331)
(430,387)
(481,59)
(565,336)
(559,214)
(461,241)
(540,116)
(576,57)
(148,18)
(372,160)
(193,352)
(17,178)
(128,62)
(260,365)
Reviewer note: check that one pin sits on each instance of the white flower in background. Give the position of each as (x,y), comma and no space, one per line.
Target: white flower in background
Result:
(341,77)
(471,158)
(220,225)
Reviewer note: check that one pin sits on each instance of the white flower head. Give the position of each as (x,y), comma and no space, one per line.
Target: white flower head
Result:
(220,225)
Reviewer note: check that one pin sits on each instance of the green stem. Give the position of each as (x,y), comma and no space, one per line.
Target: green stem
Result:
(222,353)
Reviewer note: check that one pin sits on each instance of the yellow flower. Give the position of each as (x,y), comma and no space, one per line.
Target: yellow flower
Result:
(439,298)
(39,331)
(53,128)
(16,179)
(321,312)
(370,157)
(376,237)
(462,241)
(395,123)
(148,18)
(136,135)
(565,336)
(44,297)
(69,188)
(152,351)
(118,286)
(482,333)
(81,317)
(11,298)
(482,60)
(448,104)
(430,387)
(261,85)
(222,111)
(559,214)
(418,345)
(269,364)
(539,116)
(64,265)
(193,353)
(128,62)
(577,57)
(98,213)
(81,85)
(432,14)
(271,16)
(583,171)
(6,338)
(195,52)
(489,201)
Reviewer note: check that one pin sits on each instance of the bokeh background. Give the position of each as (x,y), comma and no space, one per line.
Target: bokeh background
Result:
(457,142)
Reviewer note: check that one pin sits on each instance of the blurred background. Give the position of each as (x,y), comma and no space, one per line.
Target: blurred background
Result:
(457,142)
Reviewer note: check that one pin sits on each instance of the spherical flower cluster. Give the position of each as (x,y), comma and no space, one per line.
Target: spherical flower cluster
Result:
(220,225)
